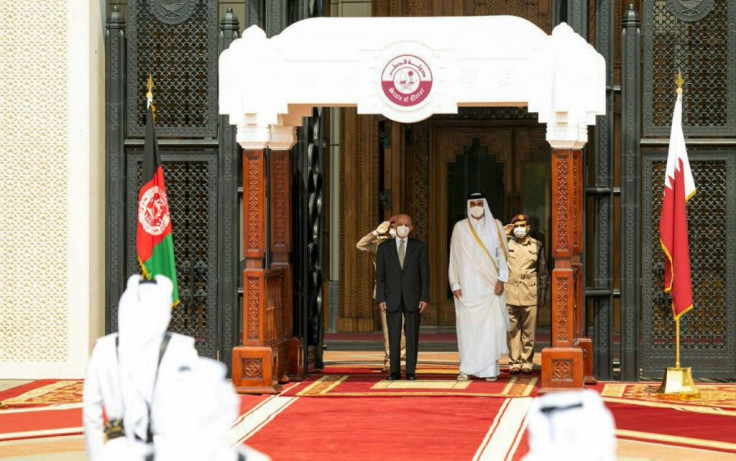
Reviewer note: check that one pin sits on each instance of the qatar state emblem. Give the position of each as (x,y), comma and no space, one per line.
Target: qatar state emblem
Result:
(406,81)
(153,211)
(690,10)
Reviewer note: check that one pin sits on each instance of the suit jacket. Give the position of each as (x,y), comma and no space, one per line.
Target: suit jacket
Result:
(394,284)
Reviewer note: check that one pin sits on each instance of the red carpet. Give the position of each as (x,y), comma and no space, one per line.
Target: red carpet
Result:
(377,370)
(675,426)
(48,408)
(334,385)
(42,392)
(367,421)
(248,402)
(16,425)
(378,428)
(722,396)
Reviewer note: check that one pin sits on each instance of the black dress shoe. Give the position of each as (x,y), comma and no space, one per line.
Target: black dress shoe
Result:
(411,377)
(393,377)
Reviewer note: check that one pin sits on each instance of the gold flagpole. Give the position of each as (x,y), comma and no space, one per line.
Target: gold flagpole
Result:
(677,342)
(678,381)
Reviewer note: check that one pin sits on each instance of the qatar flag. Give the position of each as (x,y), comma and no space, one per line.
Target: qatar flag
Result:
(679,187)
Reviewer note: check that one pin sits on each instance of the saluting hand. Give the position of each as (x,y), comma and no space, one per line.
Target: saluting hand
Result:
(422,306)
(383,227)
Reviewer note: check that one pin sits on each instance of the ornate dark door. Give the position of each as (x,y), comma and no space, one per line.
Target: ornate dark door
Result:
(179,49)
(509,164)
(708,331)
(678,36)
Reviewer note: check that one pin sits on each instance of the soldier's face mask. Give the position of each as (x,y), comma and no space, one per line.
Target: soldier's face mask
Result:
(520,230)
(392,232)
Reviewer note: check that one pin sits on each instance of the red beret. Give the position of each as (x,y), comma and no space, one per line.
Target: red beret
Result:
(519,217)
(392,219)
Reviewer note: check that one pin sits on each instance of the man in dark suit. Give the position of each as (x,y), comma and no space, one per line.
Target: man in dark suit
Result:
(402,290)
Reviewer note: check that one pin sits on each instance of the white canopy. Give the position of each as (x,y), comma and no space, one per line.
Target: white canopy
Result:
(408,69)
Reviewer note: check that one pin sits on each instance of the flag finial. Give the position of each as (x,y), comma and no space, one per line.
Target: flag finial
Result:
(679,81)
(149,85)
(149,97)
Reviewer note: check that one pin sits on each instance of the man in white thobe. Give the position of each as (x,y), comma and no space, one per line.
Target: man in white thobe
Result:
(572,425)
(130,369)
(477,272)
(197,417)
(102,390)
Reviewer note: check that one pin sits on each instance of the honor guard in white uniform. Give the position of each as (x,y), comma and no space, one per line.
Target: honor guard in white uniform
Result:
(129,370)
(571,425)
(197,413)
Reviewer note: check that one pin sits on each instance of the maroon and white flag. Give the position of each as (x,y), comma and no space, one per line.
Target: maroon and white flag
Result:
(679,187)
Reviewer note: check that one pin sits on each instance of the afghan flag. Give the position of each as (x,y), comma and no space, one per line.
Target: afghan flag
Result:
(154,242)
(679,187)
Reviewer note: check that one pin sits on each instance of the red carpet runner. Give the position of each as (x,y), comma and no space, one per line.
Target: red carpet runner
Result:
(378,428)
(363,417)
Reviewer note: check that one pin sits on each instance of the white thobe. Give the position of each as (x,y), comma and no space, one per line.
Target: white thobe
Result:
(183,451)
(142,388)
(102,391)
(121,396)
(198,415)
(481,318)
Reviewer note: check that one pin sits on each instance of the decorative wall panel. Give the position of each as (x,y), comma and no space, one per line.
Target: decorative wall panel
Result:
(416,148)
(359,191)
(708,331)
(702,44)
(34,223)
(175,42)
(192,190)
(537,12)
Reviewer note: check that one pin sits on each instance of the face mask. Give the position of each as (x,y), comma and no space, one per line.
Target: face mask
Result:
(476,211)
(392,232)
(402,231)
(520,232)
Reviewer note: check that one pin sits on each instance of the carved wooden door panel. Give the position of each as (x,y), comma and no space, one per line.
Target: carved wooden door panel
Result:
(708,331)
(509,164)
(462,158)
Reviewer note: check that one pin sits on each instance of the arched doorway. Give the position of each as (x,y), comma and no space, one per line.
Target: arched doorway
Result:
(559,77)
